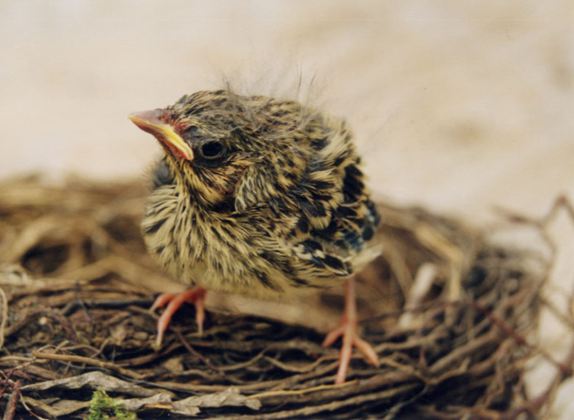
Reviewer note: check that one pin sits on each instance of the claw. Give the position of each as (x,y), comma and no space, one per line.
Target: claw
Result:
(195,296)
(162,300)
(333,336)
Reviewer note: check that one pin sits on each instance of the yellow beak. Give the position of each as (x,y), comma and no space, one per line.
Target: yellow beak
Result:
(150,122)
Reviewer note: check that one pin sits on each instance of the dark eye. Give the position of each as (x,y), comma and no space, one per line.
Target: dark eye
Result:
(212,150)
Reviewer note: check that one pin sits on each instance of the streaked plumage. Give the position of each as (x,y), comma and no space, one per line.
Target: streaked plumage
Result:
(283,209)
(260,197)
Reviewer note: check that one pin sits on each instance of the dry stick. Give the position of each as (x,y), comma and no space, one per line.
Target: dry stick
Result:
(53,314)
(556,312)
(520,339)
(4,303)
(565,369)
(5,381)
(12,403)
(561,203)
(87,361)
(285,367)
(138,361)
(462,351)
(558,204)
(535,405)
(191,350)
(241,365)
(310,410)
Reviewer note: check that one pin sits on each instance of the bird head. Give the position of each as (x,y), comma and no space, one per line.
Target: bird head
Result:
(235,152)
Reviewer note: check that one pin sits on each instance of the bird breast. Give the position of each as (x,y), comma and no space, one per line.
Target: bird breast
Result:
(219,253)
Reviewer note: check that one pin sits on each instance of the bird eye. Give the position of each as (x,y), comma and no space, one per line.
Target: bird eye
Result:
(212,150)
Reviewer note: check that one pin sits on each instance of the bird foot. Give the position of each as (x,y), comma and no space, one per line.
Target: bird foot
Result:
(348,330)
(351,338)
(174,301)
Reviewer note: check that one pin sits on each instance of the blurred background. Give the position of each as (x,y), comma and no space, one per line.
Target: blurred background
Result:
(457,105)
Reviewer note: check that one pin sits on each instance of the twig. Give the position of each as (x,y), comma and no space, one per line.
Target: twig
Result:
(88,361)
(4,303)
(10,412)
(191,350)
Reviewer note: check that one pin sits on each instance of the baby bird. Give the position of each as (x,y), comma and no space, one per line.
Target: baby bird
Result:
(261,197)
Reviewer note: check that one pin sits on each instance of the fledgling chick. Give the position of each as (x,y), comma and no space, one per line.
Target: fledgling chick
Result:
(261,197)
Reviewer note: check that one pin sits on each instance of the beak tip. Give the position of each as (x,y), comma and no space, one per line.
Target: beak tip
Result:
(139,119)
(154,115)
(151,122)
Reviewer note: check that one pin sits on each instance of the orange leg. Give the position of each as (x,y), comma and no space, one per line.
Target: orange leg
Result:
(348,330)
(195,296)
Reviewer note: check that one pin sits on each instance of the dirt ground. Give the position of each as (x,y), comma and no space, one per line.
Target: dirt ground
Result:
(459,106)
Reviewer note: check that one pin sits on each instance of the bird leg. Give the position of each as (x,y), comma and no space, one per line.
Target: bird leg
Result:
(348,330)
(195,296)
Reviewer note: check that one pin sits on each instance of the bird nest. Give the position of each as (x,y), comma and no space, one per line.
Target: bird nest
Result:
(449,313)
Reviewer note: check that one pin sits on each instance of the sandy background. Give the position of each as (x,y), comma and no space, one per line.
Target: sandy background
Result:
(457,105)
